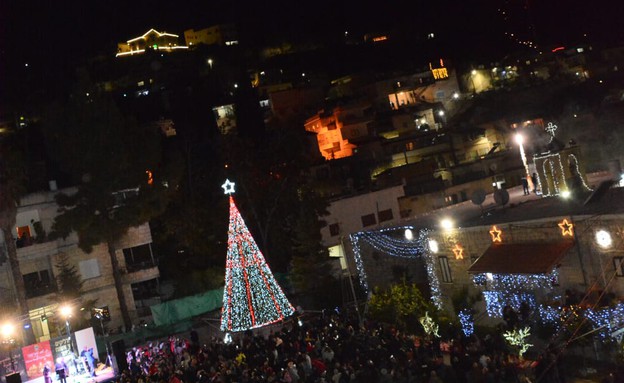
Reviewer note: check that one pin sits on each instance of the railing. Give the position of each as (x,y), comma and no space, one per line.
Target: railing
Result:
(37,291)
(138,266)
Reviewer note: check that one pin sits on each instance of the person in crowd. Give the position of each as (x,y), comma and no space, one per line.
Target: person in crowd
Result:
(329,349)
(61,369)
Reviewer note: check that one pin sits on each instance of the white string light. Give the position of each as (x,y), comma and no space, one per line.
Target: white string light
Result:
(512,290)
(390,242)
(466,321)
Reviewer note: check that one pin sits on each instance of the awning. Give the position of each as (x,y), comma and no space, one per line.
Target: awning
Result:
(521,258)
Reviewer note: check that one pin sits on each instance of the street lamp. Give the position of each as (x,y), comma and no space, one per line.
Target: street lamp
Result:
(8,331)
(473,73)
(446,224)
(210,63)
(66,312)
(603,238)
(99,314)
(520,141)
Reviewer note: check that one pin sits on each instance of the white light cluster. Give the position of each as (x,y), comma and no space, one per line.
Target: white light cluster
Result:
(466,321)
(549,314)
(513,289)
(607,320)
(603,239)
(556,157)
(389,242)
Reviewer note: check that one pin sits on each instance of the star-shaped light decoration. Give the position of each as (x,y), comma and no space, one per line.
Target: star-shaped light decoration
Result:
(228,187)
(496,234)
(566,228)
(458,251)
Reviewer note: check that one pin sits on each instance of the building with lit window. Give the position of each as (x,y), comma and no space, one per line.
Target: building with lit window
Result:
(329,126)
(150,40)
(39,256)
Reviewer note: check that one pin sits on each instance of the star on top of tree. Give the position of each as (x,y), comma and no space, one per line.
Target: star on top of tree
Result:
(228,187)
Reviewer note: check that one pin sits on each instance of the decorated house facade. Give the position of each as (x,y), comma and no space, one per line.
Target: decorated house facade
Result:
(536,262)
(538,259)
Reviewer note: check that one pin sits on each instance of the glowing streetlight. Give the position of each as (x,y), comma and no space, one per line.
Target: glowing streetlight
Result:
(565,194)
(446,224)
(210,63)
(8,336)
(7,330)
(603,238)
(455,96)
(473,73)
(66,312)
(409,235)
(520,141)
(433,246)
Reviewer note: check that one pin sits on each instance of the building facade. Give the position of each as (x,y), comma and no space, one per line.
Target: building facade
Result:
(39,257)
(152,39)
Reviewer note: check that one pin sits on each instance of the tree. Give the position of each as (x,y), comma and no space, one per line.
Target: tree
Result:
(251,297)
(12,181)
(116,164)
(401,304)
(269,172)
(68,280)
(311,270)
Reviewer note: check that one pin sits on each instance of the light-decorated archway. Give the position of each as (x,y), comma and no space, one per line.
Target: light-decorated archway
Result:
(389,241)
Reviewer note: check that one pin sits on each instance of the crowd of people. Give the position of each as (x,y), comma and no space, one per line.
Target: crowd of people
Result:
(335,349)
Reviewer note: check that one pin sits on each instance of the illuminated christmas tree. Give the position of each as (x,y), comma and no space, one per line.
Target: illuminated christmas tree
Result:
(251,297)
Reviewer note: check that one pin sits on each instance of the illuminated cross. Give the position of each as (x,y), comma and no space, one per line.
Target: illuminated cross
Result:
(566,228)
(228,187)
(550,128)
(458,251)
(496,234)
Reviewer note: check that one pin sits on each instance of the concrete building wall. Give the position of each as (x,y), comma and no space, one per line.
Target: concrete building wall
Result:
(585,265)
(95,268)
(347,213)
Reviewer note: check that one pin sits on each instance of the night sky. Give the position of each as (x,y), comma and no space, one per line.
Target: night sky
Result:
(53,33)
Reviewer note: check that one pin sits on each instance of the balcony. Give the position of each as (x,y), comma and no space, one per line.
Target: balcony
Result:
(140,272)
(37,249)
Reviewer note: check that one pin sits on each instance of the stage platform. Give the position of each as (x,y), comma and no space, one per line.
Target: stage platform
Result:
(103,374)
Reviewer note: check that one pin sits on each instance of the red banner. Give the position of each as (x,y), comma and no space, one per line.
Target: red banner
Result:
(35,358)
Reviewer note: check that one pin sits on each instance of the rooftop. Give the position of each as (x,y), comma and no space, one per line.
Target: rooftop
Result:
(526,208)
